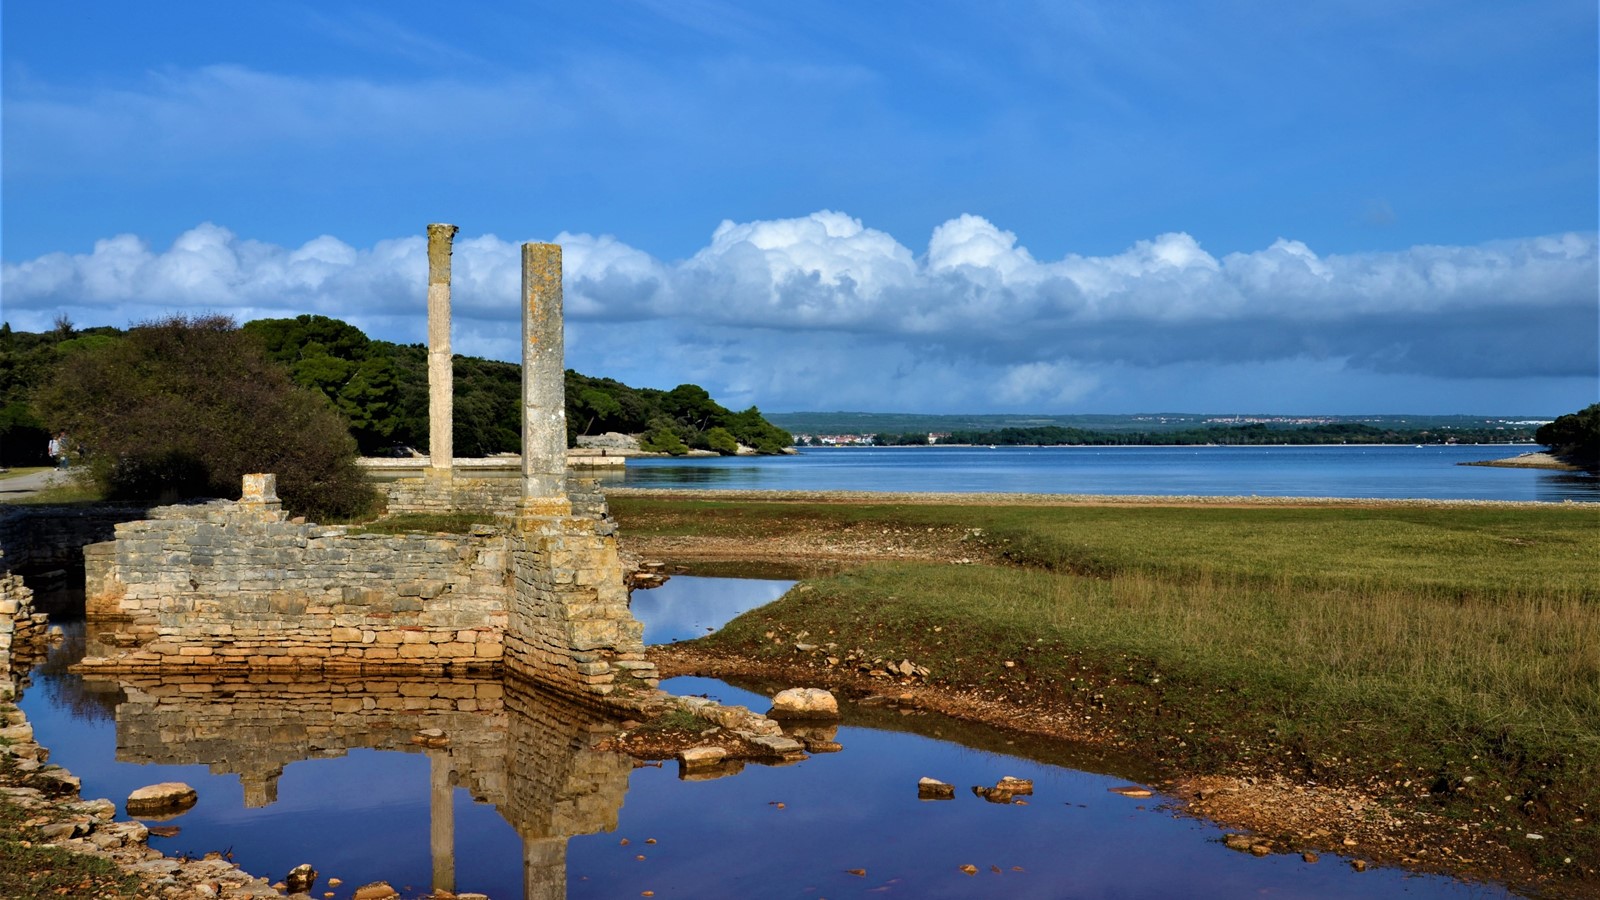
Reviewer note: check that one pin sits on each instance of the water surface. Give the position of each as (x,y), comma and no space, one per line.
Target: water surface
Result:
(520,804)
(1428,472)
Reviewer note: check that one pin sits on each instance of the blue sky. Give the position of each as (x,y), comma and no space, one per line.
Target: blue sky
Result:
(1049,207)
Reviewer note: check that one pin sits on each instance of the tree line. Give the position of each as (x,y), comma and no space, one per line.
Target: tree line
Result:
(176,408)
(1250,434)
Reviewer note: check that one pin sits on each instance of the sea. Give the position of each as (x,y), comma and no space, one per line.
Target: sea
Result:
(1428,472)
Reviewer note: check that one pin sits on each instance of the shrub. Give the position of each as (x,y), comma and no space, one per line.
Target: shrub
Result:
(185,407)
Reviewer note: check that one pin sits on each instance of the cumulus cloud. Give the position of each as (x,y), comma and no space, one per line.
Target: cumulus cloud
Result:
(796,298)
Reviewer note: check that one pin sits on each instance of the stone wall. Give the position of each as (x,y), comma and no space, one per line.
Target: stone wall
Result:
(22,631)
(569,625)
(226,585)
(442,493)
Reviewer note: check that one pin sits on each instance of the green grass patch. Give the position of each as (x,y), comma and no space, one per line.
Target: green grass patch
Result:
(49,872)
(1450,550)
(1450,653)
(676,720)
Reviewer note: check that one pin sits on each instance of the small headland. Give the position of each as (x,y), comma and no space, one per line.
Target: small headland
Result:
(1537,460)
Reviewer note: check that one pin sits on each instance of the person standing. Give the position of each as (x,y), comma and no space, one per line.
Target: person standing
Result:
(58,449)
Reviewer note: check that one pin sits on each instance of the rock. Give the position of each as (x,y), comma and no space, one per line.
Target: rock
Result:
(1015,785)
(301,878)
(164,831)
(701,757)
(1309,856)
(1360,865)
(934,789)
(804,703)
(969,869)
(166,797)
(1132,791)
(1240,842)
(377,890)
(778,745)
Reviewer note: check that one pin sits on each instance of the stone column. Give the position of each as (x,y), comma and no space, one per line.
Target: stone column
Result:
(442,831)
(440,383)
(544,403)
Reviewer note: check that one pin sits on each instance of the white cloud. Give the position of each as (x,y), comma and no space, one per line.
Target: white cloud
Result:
(806,300)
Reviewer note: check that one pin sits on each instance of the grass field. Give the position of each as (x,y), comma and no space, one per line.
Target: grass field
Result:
(1450,653)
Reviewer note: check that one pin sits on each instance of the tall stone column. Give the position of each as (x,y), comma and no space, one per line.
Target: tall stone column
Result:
(544,404)
(441,407)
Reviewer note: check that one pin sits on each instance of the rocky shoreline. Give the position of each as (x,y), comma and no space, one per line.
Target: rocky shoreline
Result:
(1539,460)
(1265,813)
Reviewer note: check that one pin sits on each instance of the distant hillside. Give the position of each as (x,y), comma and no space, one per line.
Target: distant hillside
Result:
(1157,428)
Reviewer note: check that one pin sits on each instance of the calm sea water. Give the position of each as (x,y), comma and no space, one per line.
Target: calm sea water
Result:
(1430,472)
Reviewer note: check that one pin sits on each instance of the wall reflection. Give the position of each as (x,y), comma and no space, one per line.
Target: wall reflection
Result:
(529,754)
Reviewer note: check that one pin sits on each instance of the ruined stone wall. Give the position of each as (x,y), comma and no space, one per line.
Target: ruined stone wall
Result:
(445,494)
(21,631)
(499,496)
(233,586)
(569,623)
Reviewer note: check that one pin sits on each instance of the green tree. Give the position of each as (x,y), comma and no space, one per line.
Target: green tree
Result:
(185,407)
(722,440)
(1575,436)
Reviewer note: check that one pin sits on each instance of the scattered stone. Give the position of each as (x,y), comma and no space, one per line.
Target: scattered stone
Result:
(970,869)
(777,745)
(804,703)
(701,757)
(164,831)
(1005,790)
(1240,842)
(301,878)
(1360,865)
(1015,785)
(1132,791)
(377,890)
(166,797)
(1310,857)
(934,789)
(859,873)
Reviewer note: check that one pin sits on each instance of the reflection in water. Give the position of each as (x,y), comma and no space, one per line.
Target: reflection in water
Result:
(480,785)
(531,755)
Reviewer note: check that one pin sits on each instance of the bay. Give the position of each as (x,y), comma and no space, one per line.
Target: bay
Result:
(1431,472)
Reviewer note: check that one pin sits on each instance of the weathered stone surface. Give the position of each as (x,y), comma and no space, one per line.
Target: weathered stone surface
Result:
(300,879)
(166,797)
(804,703)
(377,890)
(701,757)
(934,789)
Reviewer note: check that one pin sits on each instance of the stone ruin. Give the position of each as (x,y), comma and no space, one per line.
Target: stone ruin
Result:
(233,587)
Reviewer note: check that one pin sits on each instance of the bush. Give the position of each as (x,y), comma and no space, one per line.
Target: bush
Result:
(663,440)
(722,441)
(185,407)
